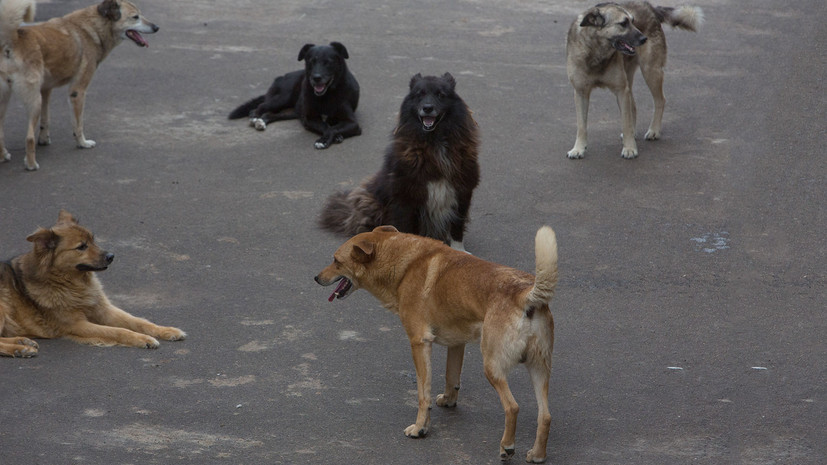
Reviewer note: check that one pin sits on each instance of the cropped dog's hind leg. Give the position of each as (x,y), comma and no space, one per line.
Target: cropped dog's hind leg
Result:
(32,97)
(539,379)
(421,351)
(5,96)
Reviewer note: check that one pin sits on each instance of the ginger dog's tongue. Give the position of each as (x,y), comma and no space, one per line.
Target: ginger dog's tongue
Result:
(342,284)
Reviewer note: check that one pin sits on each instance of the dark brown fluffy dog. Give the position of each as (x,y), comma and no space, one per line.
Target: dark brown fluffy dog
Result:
(430,171)
(53,292)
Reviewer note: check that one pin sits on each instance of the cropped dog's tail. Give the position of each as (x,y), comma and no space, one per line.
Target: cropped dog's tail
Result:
(545,280)
(244,110)
(348,213)
(12,13)
(689,18)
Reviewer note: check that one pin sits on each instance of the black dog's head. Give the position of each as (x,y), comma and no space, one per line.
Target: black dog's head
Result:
(430,100)
(323,65)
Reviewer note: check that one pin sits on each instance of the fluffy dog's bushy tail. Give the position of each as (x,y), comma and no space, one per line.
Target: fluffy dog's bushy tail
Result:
(244,110)
(12,13)
(545,279)
(689,18)
(348,213)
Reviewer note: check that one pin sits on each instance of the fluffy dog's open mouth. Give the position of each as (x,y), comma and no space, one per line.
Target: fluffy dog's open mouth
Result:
(136,37)
(429,122)
(624,47)
(342,290)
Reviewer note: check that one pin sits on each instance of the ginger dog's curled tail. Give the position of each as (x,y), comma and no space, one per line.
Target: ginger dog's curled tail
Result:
(12,13)
(545,280)
(689,18)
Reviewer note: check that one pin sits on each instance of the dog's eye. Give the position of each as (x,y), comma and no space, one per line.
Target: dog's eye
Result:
(136,17)
(625,22)
(83,246)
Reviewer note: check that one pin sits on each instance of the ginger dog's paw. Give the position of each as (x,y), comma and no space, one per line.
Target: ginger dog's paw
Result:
(444,401)
(150,342)
(415,431)
(530,458)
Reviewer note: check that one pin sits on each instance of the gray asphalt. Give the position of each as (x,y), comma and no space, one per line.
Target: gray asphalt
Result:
(691,307)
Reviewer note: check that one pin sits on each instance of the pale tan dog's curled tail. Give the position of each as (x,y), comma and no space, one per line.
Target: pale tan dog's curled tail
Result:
(12,13)
(684,17)
(545,280)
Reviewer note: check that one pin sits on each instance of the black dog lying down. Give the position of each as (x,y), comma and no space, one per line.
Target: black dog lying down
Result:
(324,96)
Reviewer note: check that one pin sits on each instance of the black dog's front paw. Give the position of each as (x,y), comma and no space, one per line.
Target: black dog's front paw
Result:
(323,143)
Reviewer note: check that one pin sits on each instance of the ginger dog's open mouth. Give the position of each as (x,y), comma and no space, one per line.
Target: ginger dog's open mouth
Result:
(342,290)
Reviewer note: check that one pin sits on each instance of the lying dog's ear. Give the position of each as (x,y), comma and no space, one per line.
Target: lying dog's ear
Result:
(340,49)
(386,228)
(304,50)
(593,18)
(363,251)
(43,239)
(450,79)
(415,79)
(66,217)
(110,9)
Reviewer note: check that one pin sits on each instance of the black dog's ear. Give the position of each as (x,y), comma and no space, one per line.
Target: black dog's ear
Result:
(363,251)
(340,49)
(416,78)
(43,240)
(593,18)
(450,79)
(110,9)
(304,50)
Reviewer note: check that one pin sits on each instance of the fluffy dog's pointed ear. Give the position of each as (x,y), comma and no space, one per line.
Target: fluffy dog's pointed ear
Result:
(450,79)
(415,79)
(110,9)
(66,218)
(363,251)
(593,18)
(304,50)
(43,239)
(340,49)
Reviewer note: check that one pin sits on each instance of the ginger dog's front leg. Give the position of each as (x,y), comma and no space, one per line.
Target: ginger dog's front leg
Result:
(421,351)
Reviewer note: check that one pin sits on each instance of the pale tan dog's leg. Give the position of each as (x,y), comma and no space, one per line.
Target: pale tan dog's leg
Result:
(539,378)
(511,410)
(581,105)
(43,138)
(626,102)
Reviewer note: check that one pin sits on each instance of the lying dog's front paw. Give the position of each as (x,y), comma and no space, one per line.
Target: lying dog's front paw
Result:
(150,342)
(258,123)
(172,334)
(322,143)
(415,431)
(28,348)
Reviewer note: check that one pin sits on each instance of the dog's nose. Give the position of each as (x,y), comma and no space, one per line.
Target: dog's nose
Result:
(316,278)
(427,109)
(155,28)
(109,257)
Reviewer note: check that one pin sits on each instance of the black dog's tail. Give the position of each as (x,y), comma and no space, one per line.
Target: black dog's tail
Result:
(348,213)
(244,110)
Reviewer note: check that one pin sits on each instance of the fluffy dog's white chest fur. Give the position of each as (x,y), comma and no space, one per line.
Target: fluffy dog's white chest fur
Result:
(441,209)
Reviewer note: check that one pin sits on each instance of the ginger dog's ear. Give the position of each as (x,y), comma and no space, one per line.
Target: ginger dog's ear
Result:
(66,218)
(110,9)
(363,251)
(385,228)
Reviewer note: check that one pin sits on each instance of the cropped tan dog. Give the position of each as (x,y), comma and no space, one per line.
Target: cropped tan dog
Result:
(53,292)
(605,46)
(61,51)
(449,297)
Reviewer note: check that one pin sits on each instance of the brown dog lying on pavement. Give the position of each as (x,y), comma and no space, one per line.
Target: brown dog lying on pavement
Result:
(449,297)
(53,292)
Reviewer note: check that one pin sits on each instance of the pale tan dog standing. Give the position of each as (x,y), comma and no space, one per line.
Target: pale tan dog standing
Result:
(62,51)
(449,297)
(605,46)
